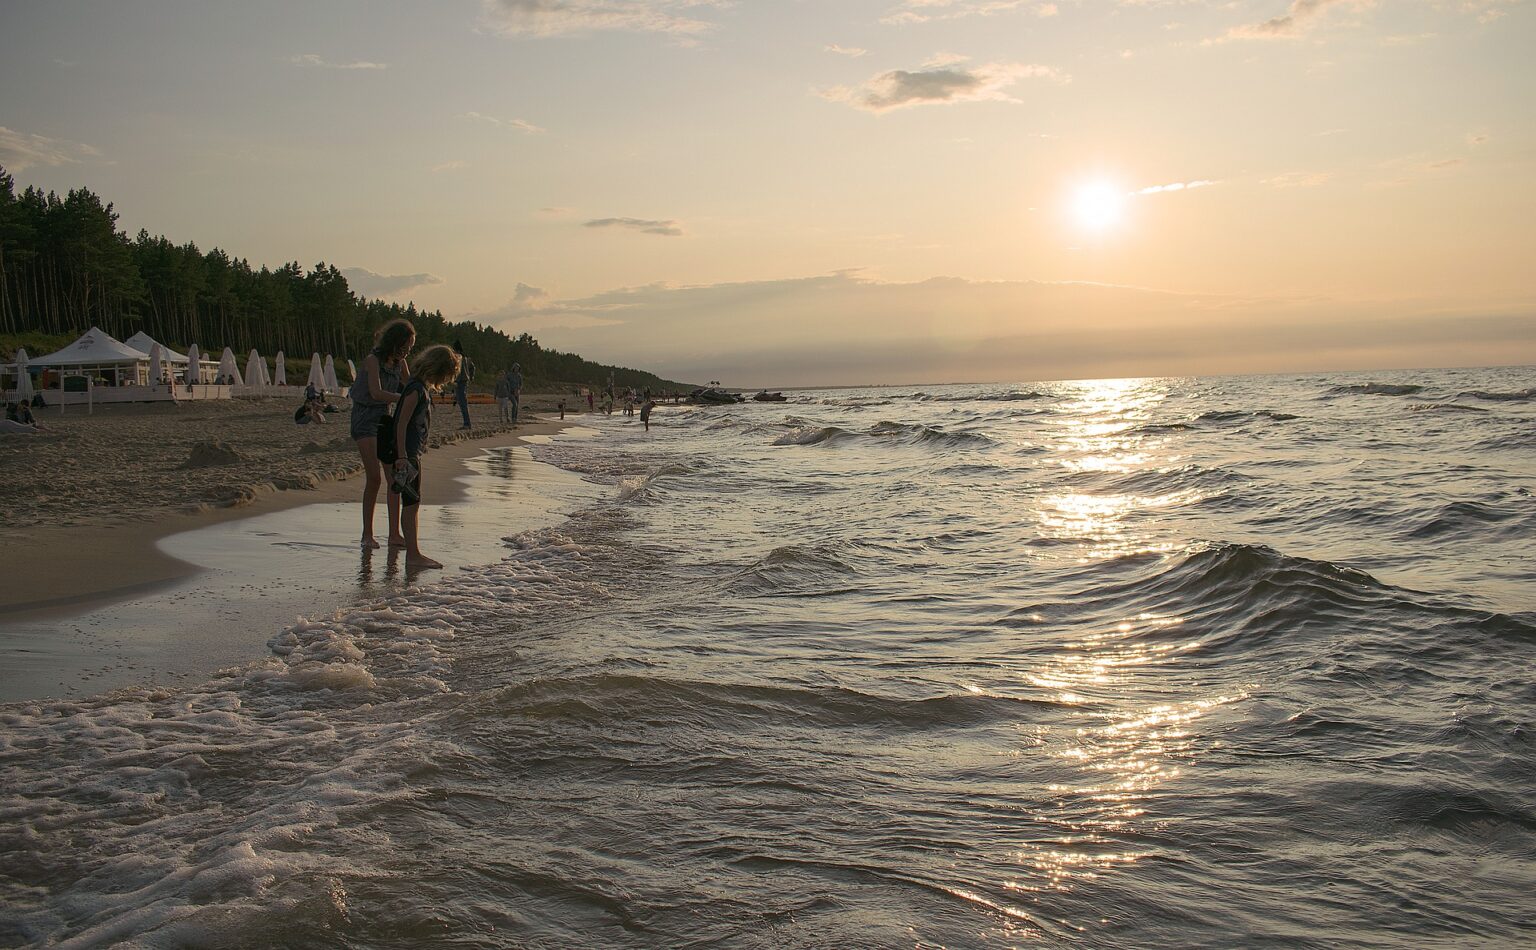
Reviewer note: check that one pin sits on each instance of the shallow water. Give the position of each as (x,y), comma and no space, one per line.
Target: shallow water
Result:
(1184,662)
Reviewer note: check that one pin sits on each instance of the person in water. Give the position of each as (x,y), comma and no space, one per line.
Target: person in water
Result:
(377,385)
(435,368)
(645,411)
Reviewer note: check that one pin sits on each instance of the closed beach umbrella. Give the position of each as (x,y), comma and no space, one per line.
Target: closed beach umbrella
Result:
(280,373)
(330,375)
(316,372)
(156,365)
(23,376)
(194,364)
(352,368)
(227,368)
(253,368)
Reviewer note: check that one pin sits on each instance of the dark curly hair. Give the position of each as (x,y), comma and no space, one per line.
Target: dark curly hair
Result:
(393,341)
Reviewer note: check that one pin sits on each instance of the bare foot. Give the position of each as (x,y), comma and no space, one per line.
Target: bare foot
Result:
(421,561)
(369,544)
(397,542)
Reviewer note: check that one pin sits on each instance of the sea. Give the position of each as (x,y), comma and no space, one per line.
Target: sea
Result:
(1165,662)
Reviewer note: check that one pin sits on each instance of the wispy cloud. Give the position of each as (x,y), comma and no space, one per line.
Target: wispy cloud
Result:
(1299,18)
(516,125)
(924,11)
(563,17)
(21,150)
(938,85)
(1175,186)
(452,166)
(369,284)
(315,59)
(644,226)
(852,51)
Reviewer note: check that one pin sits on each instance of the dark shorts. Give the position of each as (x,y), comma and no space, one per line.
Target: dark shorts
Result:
(365,420)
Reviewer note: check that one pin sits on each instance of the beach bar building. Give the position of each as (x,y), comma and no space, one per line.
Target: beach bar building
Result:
(99,368)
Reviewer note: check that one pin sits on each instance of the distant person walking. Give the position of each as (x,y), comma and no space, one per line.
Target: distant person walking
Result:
(378,385)
(435,368)
(515,383)
(461,384)
(503,398)
(645,411)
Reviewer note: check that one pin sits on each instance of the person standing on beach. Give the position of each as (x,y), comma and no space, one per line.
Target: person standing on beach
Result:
(515,383)
(377,385)
(435,368)
(645,411)
(503,398)
(461,385)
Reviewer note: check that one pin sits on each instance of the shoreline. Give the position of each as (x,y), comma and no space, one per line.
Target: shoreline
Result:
(75,568)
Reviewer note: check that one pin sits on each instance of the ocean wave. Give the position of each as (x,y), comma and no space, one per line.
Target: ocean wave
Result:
(1502,397)
(1376,389)
(1009,396)
(902,432)
(1446,407)
(812,435)
(801,570)
(1475,519)
(605,698)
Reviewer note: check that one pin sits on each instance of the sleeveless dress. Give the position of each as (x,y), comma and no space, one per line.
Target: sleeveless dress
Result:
(366,413)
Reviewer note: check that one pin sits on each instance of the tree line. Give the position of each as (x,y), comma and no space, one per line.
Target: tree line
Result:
(64,267)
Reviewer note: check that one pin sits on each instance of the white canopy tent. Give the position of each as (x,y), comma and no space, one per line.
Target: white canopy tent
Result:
(98,354)
(331,385)
(145,344)
(228,371)
(280,370)
(156,364)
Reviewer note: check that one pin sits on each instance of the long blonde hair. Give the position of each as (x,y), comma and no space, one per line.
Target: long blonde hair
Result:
(436,366)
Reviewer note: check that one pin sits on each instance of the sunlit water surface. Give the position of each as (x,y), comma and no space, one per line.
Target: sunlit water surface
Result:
(1157,662)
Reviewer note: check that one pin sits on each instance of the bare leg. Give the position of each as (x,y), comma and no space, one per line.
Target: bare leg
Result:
(373,474)
(413,555)
(396,539)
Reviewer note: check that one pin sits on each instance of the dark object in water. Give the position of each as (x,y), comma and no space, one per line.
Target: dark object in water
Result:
(766,396)
(713,396)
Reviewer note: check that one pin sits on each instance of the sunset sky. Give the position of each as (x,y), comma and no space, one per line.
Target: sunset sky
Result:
(787,192)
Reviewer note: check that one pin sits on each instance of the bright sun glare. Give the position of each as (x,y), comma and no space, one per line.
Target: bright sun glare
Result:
(1098,205)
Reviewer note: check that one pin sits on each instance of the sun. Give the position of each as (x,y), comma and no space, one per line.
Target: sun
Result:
(1098,205)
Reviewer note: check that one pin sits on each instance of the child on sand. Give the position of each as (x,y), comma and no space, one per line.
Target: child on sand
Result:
(436,367)
(376,386)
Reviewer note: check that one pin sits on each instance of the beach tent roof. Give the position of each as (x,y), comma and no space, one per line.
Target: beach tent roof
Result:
(95,347)
(143,342)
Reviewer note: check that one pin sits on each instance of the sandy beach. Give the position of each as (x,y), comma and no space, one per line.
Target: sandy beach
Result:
(90,495)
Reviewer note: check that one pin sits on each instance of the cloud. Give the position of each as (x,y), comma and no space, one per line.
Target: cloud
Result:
(848,328)
(564,17)
(1443,163)
(452,166)
(1176,186)
(852,51)
(314,59)
(665,228)
(900,88)
(369,284)
(20,151)
(925,11)
(1299,18)
(516,125)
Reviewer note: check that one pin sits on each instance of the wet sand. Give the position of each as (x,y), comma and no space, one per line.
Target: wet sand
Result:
(193,570)
(87,498)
